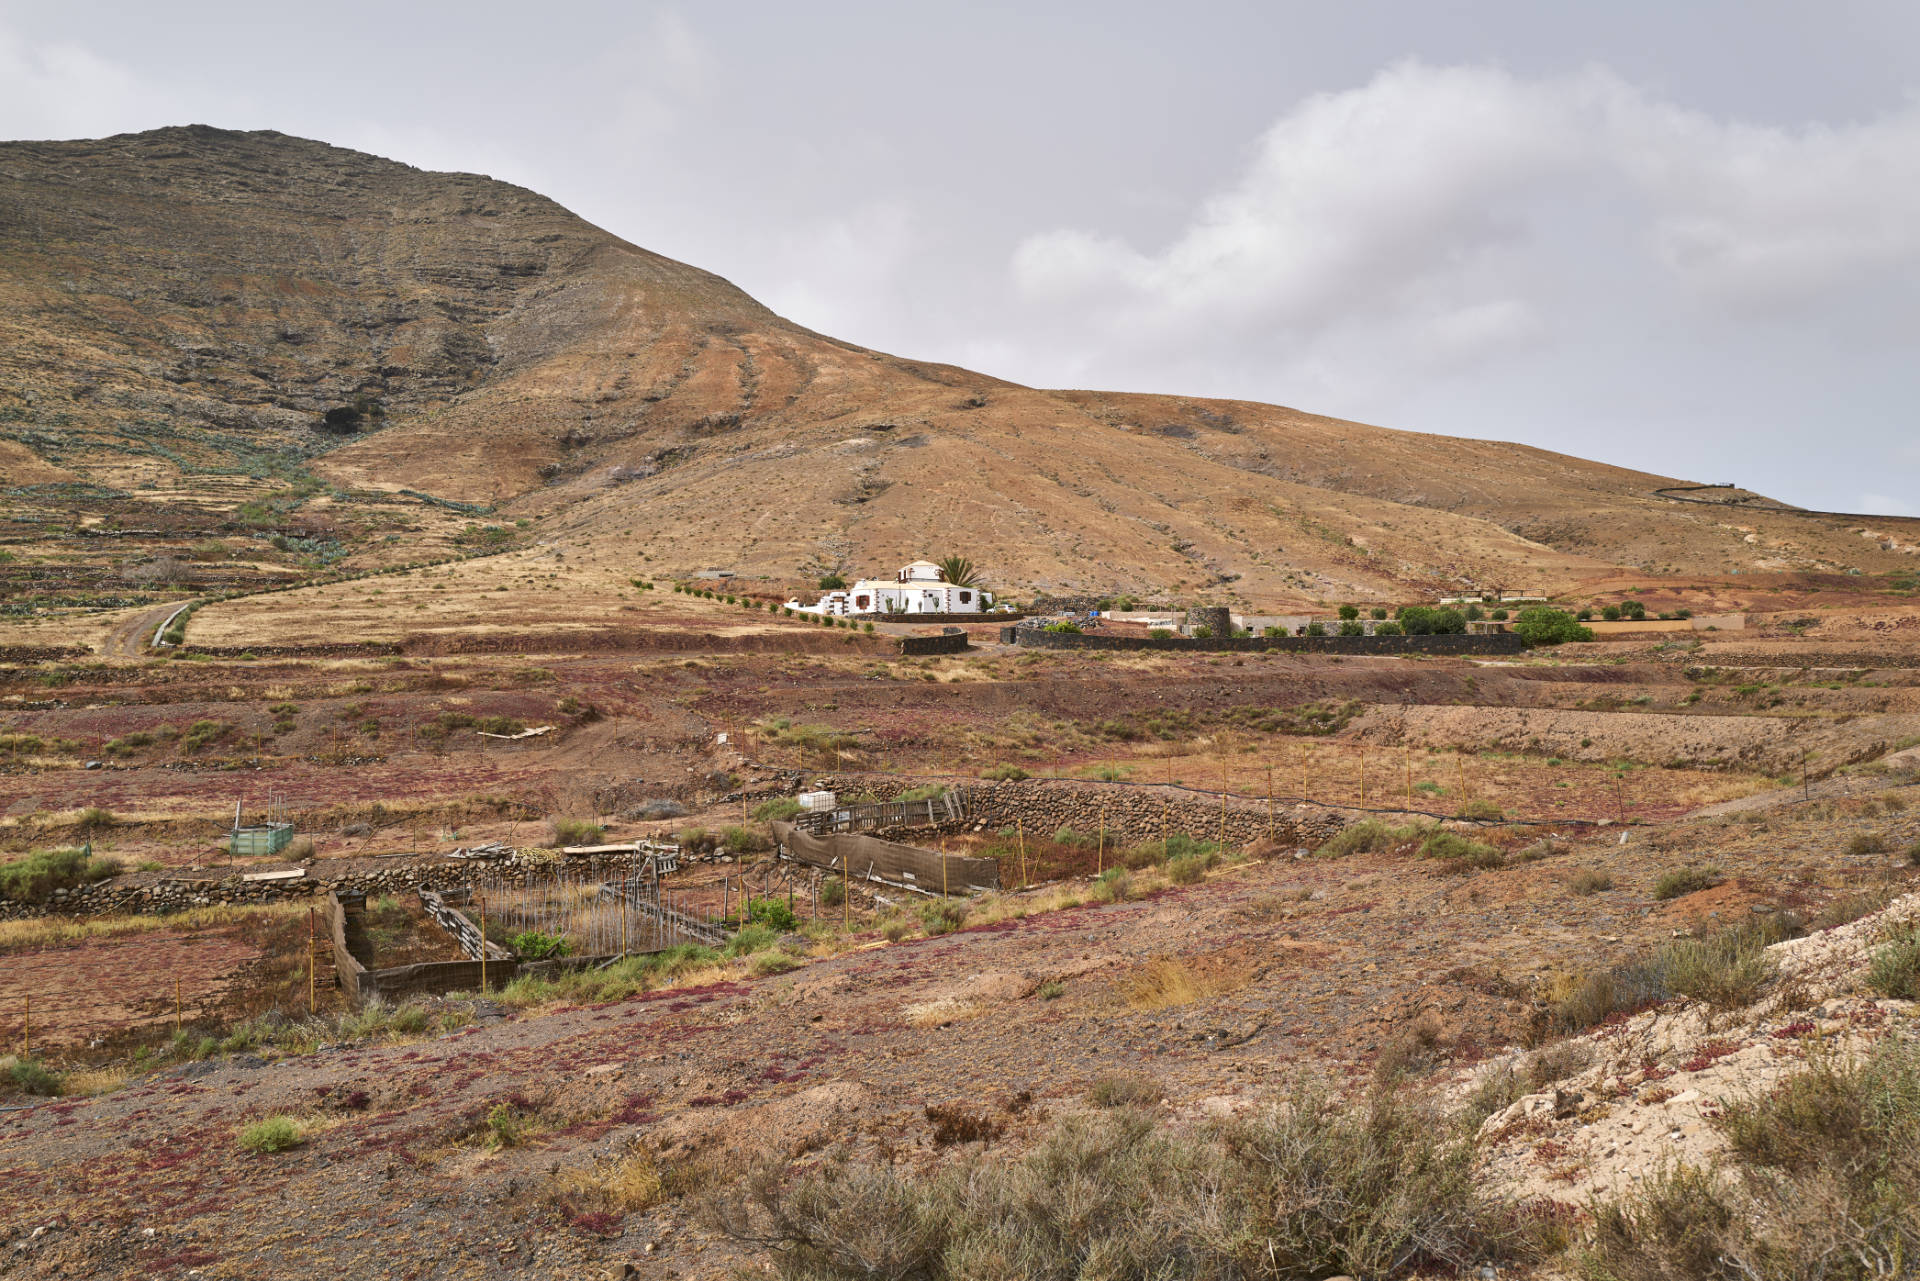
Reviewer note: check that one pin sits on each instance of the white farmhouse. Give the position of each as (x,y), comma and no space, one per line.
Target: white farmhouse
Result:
(919,588)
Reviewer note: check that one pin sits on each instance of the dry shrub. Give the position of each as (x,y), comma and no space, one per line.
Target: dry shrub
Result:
(954,1124)
(1310,1188)
(1367,837)
(1826,1184)
(1686,880)
(1589,880)
(1124,1089)
(1162,982)
(1864,843)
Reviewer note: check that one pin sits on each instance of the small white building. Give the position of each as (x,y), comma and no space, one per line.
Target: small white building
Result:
(919,588)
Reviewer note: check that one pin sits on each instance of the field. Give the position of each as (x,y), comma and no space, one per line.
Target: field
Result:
(1773,765)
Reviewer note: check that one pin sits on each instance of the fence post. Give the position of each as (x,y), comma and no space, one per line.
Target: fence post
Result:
(311,913)
(846,896)
(483,945)
(1269,804)
(1020,826)
(1100,860)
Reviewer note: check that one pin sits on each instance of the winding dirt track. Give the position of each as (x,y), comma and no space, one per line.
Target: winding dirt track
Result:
(128,637)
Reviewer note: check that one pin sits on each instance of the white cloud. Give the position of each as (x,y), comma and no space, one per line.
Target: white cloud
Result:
(1449,213)
(62,90)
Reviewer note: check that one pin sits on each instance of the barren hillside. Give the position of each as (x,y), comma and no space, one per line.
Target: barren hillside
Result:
(192,320)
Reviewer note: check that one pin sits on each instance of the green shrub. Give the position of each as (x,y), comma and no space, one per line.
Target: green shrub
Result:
(779,809)
(1481,810)
(739,840)
(1367,837)
(749,940)
(1051,990)
(1186,870)
(1377,613)
(532,945)
(1063,628)
(771,961)
(1004,773)
(774,914)
(944,916)
(1543,625)
(1349,612)
(1179,845)
(31,1077)
(833,892)
(1455,848)
(1611,613)
(275,1134)
(1352,629)
(1114,885)
(94,817)
(1686,880)
(1388,629)
(1160,633)
(1201,632)
(40,873)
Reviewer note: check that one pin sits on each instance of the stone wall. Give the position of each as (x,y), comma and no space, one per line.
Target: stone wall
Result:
(1133,813)
(1503,643)
(953,642)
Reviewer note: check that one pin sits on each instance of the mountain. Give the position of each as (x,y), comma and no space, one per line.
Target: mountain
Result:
(205,332)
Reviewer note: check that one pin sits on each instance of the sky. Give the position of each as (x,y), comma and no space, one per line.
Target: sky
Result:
(1683,238)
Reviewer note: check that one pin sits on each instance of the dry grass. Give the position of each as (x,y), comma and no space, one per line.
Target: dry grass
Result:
(1167,981)
(50,931)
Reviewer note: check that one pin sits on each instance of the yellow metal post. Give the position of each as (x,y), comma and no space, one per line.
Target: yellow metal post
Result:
(846,896)
(1406,754)
(1100,859)
(1020,826)
(312,1004)
(1223,819)
(1363,776)
(483,943)
(1269,804)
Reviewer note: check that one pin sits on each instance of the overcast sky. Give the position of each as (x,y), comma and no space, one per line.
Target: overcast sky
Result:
(1682,237)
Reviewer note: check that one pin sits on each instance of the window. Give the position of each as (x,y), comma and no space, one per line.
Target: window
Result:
(860,602)
(966,598)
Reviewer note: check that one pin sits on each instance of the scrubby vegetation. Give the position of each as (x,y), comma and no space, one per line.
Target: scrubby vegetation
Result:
(1308,1189)
(34,878)
(1825,1183)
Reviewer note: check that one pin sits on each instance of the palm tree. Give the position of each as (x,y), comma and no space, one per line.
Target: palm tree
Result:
(957,570)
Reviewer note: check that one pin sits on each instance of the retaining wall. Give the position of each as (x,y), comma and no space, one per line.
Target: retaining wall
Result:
(1500,643)
(1133,813)
(954,642)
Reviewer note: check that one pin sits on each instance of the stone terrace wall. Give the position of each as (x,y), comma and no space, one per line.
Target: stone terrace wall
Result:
(1498,643)
(954,642)
(1133,811)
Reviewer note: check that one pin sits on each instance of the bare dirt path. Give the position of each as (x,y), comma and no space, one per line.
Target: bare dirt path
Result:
(129,637)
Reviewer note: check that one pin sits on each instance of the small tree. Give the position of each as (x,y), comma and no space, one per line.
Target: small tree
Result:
(1315,629)
(1541,625)
(832,583)
(1611,613)
(1349,612)
(1378,612)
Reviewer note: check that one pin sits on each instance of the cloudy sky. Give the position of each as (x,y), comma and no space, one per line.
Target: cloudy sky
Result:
(1682,237)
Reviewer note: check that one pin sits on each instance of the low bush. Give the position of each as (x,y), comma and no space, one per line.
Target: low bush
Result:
(1177,846)
(577,831)
(1864,843)
(1589,880)
(1124,1089)
(774,913)
(1003,773)
(1686,880)
(1483,810)
(833,892)
(28,1076)
(1824,1183)
(275,1134)
(532,945)
(749,940)
(739,840)
(771,961)
(1187,869)
(1309,1188)
(1367,837)
(1115,885)
(1455,848)
(1895,970)
(945,916)
(33,878)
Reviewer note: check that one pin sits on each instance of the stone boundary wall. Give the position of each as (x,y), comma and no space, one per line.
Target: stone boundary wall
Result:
(178,894)
(1133,812)
(952,643)
(1499,643)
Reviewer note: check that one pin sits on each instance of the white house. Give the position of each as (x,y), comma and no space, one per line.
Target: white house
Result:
(919,588)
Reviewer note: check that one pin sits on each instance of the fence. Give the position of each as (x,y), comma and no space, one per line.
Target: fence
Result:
(948,807)
(868,858)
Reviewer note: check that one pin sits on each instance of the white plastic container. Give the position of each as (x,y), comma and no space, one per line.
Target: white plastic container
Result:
(816,800)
